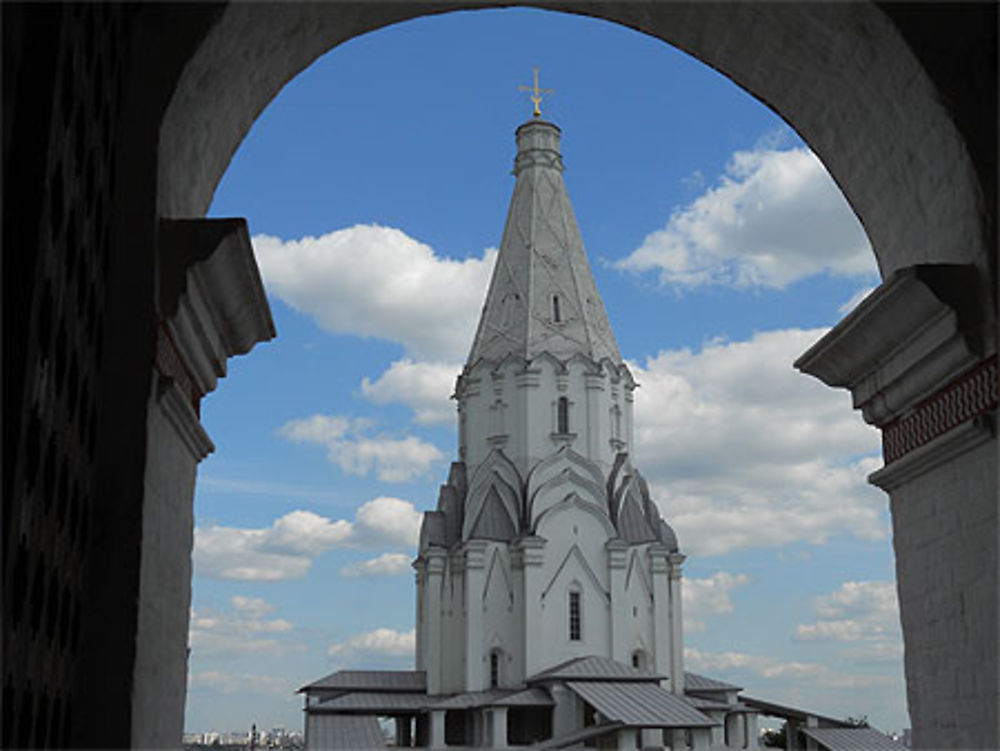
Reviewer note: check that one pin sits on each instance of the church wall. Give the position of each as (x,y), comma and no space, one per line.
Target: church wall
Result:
(639,610)
(500,624)
(574,560)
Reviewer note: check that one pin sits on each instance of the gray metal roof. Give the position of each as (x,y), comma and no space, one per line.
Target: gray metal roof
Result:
(373,701)
(695,682)
(433,531)
(639,704)
(371,680)
(852,739)
(346,731)
(530,697)
(595,668)
(632,524)
(471,699)
(576,738)
(792,713)
(700,703)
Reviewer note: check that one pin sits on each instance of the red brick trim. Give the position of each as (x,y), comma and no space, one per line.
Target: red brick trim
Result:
(971,394)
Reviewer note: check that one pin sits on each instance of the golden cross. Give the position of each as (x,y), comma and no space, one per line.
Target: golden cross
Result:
(536,94)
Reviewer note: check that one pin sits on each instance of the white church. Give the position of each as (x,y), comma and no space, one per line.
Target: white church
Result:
(548,585)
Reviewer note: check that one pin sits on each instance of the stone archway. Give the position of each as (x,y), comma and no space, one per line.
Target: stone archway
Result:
(898,101)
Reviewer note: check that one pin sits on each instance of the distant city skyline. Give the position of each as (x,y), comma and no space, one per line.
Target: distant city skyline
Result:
(722,250)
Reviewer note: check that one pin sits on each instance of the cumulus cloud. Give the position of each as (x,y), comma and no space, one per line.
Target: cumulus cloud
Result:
(374,281)
(231,683)
(775,217)
(860,611)
(378,643)
(286,549)
(812,674)
(349,445)
(704,597)
(425,387)
(742,451)
(242,630)
(387,564)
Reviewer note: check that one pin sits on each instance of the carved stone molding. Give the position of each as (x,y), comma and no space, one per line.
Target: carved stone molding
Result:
(918,355)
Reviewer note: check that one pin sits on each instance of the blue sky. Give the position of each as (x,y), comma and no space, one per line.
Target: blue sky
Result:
(376,186)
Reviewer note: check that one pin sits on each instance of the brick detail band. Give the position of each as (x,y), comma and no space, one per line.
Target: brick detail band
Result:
(971,394)
(170,362)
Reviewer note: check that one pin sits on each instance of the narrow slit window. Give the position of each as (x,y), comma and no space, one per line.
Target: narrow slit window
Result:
(562,415)
(555,309)
(574,616)
(494,669)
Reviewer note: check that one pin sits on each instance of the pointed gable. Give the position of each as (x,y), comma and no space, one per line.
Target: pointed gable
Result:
(542,296)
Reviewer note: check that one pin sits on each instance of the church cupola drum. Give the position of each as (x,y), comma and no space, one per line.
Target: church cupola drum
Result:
(545,546)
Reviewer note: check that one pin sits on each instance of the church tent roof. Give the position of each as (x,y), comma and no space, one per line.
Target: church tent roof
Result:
(594,668)
(635,704)
(370,680)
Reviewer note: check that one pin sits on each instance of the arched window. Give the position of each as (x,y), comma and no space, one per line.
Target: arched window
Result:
(574,615)
(555,309)
(562,415)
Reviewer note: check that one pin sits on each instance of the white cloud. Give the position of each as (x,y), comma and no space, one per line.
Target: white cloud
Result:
(368,280)
(244,630)
(232,683)
(742,451)
(286,549)
(425,387)
(381,642)
(709,596)
(811,674)
(857,612)
(775,217)
(348,445)
(387,564)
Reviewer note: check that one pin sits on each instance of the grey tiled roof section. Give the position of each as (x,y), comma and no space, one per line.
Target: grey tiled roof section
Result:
(374,701)
(494,523)
(595,668)
(853,739)
(434,532)
(372,680)
(347,731)
(632,524)
(668,537)
(529,697)
(695,682)
(639,704)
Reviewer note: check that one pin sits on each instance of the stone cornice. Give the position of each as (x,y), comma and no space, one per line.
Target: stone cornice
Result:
(211,299)
(916,332)
(177,408)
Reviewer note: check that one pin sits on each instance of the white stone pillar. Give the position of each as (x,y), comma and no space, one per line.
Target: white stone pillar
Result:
(475,556)
(595,404)
(420,632)
(617,552)
(564,713)
(651,738)
(627,738)
(529,554)
(436,739)
(753,734)
(499,739)
(701,739)
(676,623)
(811,722)
(718,732)
(434,569)
(737,730)
(659,567)
(677,740)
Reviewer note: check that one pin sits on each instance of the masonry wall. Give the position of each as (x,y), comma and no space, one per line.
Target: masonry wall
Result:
(945,538)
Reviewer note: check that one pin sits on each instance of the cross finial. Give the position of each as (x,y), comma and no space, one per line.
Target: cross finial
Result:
(536,93)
